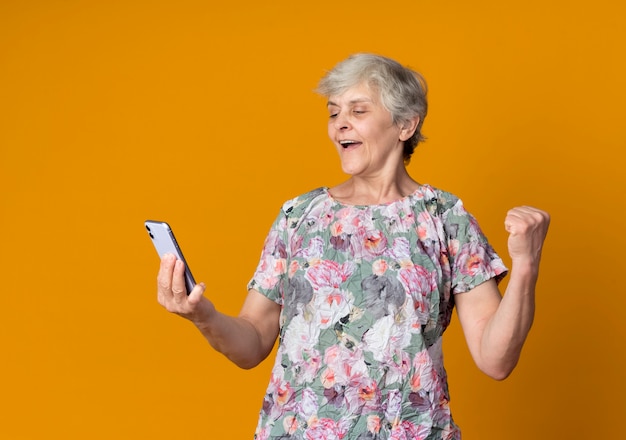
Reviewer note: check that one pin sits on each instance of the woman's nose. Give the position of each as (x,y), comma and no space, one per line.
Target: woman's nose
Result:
(341,122)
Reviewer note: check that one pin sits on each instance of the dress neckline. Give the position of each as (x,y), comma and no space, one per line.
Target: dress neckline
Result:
(419,190)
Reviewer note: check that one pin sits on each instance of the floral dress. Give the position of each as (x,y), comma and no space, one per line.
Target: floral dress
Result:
(366,294)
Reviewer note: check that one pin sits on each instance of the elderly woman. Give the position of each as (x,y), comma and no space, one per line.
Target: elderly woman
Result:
(358,281)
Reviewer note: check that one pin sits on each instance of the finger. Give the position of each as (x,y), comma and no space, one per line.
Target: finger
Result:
(523,218)
(513,221)
(164,277)
(167,263)
(179,291)
(531,211)
(196,294)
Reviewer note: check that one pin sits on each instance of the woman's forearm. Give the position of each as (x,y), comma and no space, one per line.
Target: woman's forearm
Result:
(506,331)
(234,337)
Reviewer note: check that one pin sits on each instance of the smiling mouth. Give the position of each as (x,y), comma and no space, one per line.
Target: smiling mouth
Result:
(348,144)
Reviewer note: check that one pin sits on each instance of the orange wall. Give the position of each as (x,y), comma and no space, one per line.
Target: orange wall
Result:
(112,112)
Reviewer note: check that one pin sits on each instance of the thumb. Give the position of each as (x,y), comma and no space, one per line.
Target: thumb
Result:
(197,293)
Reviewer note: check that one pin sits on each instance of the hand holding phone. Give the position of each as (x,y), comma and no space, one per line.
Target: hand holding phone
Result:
(165,242)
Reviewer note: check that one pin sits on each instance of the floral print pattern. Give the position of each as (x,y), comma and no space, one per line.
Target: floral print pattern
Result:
(366,294)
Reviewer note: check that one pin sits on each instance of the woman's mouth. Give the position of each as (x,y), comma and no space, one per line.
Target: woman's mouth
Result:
(346,144)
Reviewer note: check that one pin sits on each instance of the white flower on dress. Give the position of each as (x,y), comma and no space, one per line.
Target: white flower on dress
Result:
(307,407)
(300,336)
(330,305)
(315,250)
(386,339)
(344,366)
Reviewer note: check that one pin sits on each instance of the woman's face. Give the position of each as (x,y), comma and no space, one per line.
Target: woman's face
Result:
(368,142)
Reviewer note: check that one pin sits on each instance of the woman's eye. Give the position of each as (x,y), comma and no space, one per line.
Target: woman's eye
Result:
(333,115)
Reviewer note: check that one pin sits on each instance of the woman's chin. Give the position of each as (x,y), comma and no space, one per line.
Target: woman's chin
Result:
(351,170)
(351,167)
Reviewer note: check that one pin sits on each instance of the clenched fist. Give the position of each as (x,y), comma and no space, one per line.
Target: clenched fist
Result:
(527,228)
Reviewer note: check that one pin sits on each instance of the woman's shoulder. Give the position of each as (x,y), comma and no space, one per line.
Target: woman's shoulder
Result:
(436,199)
(299,204)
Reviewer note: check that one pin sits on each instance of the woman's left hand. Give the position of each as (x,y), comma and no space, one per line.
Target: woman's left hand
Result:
(527,227)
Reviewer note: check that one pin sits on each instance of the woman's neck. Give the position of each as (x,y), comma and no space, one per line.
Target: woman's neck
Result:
(375,190)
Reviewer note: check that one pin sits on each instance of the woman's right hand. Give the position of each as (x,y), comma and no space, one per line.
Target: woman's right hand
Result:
(172,293)
(246,339)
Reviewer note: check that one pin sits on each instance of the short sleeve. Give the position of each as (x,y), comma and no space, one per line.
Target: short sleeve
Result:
(472,259)
(269,277)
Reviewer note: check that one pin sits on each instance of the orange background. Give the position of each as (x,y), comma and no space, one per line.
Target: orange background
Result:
(202,114)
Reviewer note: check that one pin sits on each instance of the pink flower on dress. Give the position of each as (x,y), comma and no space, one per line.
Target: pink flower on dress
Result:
(375,242)
(328,378)
(347,221)
(408,220)
(331,354)
(426,228)
(328,273)
(368,391)
(470,260)
(417,280)
(368,243)
(336,229)
(400,249)
(361,396)
(453,247)
(290,424)
(295,245)
(267,282)
(263,434)
(379,267)
(283,393)
(397,433)
(310,366)
(419,283)
(344,213)
(410,431)
(399,366)
(269,269)
(280,266)
(293,268)
(324,429)
(344,366)
(373,424)
(424,376)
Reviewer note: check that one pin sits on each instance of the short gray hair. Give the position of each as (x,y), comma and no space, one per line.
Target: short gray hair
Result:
(402,90)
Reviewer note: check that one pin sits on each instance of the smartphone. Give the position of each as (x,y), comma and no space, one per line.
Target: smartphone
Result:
(164,242)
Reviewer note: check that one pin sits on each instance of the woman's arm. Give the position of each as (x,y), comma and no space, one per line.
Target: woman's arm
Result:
(246,339)
(496,327)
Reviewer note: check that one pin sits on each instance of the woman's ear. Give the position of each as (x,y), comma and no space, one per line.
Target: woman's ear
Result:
(407,128)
